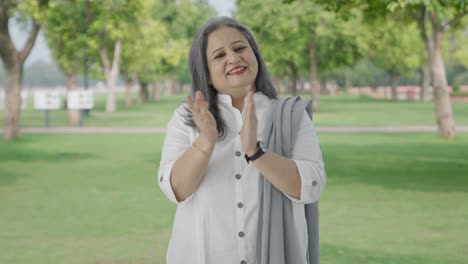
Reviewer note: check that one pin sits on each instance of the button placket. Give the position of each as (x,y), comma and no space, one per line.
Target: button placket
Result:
(238,206)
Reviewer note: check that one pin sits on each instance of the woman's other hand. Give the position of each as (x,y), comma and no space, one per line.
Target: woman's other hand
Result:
(249,128)
(203,119)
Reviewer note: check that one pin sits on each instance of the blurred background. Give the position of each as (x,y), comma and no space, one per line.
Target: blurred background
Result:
(87,88)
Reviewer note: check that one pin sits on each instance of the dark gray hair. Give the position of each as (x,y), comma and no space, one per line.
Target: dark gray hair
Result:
(198,66)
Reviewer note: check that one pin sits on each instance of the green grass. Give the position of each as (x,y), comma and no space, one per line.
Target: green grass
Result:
(343,110)
(364,111)
(390,198)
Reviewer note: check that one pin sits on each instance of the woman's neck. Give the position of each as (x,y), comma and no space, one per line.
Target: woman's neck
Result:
(238,103)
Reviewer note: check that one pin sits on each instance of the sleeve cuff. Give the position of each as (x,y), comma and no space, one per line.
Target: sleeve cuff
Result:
(164,179)
(311,183)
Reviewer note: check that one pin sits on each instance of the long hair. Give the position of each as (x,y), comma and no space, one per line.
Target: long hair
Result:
(198,66)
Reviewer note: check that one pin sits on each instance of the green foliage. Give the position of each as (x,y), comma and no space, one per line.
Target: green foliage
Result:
(35,9)
(66,33)
(396,47)
(285,32)
(158,46)
(278,34)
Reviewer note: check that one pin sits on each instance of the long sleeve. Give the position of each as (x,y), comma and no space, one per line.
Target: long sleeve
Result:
(308,158)
(176,142)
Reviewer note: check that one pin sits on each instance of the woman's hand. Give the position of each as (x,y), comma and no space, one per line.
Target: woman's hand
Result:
(249,128)
(203,119)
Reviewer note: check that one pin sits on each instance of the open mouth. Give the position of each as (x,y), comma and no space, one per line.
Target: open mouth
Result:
(237,70)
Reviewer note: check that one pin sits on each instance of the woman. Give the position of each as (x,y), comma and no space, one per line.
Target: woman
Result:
(212,160)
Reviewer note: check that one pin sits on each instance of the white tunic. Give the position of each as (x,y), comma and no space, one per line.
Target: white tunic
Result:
(218,222)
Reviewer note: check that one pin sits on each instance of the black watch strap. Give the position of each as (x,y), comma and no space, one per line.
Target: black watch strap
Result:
(256,155)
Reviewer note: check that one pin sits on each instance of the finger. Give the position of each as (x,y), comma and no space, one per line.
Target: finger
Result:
(199,96)
(203,108)
(190,102)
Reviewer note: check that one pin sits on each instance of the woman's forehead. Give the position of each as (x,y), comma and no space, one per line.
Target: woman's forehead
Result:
(224,36)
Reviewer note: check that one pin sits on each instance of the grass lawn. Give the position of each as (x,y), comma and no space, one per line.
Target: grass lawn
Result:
(390,198)
(343,110)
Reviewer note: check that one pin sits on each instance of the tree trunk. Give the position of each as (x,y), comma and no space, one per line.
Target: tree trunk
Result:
(156,92)
(443,105)
(178,87)
(73,114)
(279,85)
(425,68)
(169,86)
(144,93)
(315,86)
(111,72)
(12,111)
(13,61)
(394,80)
(323,86)
(293,78)
(347,79)
(128,94)
(424,82)
(276,81)
(128,90)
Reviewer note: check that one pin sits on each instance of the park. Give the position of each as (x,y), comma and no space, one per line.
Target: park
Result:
(80,186)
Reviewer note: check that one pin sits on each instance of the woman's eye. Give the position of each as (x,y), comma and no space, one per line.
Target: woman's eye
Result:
(240,48)
(219,55)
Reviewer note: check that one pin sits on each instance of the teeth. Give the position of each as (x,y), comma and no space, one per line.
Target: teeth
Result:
(237,70)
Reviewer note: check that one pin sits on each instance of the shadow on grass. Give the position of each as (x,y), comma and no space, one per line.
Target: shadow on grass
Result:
(20,151)
(24,155)
(7,177)
(429,167)
(330,253)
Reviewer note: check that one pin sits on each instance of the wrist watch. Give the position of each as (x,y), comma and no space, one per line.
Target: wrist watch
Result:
(256,155)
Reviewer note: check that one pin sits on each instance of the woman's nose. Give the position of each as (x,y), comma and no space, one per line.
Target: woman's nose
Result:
(233,57)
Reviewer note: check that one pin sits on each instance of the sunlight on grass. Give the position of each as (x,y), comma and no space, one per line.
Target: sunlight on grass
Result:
(390,198)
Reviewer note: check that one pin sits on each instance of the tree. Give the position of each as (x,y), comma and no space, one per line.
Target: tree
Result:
(32,12)
(183,19)
(434,18)
(65,33)
(109,24)
(280,40)
(303,37)
(157,50)
(141,59)
(396,48)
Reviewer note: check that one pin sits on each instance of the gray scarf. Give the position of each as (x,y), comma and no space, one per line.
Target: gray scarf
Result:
(277,242)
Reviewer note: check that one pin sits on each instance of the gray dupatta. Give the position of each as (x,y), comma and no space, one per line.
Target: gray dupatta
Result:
(277,242)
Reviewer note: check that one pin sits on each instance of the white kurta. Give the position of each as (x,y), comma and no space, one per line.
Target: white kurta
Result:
(218,222)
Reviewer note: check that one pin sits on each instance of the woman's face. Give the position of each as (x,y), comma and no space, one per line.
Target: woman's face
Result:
(232,63)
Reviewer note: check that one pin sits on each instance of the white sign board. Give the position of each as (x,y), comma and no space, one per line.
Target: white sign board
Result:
(47,100)
(83,99)
(24,100)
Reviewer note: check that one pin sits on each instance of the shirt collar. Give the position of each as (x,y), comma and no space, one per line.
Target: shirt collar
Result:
(224,98)
(258,97)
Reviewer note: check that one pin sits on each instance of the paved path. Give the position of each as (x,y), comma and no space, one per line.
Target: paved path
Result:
(143,130)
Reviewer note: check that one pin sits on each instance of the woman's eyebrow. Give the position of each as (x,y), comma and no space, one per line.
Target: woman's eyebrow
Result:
(214,51)
(237,41)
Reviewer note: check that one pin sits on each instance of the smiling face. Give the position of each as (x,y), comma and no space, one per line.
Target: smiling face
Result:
(231,61)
